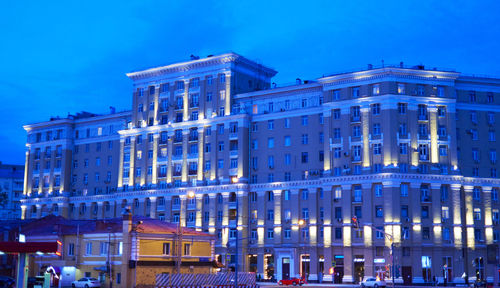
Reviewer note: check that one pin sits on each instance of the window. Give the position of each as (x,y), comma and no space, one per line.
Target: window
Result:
(336,95)
(378,190)
(403,148)
(270,215)
(402,108)
(443,150)
(166,248)
(441,111)
(304,102)
(287,233)
(425,212)
(71,249)
(270,142)
(472,96)
(88,248)
(376,129)
(270,124)
(336,133)
(336,114)
(305,138)
(305,194)
(375,109)
(379,211)
(377,148)
(104,248)
(476,193)
(358,193)
(270,233)
(287,122)
(305,120)
(288,159)
(426,233)
(420,90)
(187,249)
(270,161)
(355,92)
(376,89)
(477,214)
(445,212)
(304,157)
(401,88)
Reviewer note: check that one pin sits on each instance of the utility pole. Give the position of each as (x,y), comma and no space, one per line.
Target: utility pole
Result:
(236,254)
(356,225)
(109,260)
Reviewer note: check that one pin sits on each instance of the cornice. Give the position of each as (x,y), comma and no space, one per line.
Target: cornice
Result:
(375,74)
(184,67)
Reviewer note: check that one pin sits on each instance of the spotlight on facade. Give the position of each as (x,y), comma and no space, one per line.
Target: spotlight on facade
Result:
(190,194)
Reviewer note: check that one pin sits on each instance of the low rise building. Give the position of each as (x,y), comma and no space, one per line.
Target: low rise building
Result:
(121,251)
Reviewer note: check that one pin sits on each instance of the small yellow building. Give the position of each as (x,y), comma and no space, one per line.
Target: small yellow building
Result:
(132,250)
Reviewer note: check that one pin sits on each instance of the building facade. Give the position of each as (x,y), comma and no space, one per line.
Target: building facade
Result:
(120,251)
(409,152)
(11,190)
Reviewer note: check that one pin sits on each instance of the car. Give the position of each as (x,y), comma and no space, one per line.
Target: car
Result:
(293,281)
(86,282)
(373,282)
(6,281)
(482,284)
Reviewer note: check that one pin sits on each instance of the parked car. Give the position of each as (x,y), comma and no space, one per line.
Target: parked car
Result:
(292,281)
(482,284)
(373,282)
(86,282)
(8,282)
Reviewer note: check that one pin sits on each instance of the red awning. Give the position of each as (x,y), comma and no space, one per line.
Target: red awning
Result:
(29,247)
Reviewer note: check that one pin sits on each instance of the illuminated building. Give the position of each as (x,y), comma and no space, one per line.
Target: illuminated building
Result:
(407,150)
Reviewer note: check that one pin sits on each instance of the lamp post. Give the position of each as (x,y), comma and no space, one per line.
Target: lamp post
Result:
(190,195)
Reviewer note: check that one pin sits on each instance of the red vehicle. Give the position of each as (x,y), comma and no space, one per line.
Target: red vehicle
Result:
(293,281)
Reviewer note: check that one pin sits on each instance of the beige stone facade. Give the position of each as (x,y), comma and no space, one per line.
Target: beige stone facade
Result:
(408,151)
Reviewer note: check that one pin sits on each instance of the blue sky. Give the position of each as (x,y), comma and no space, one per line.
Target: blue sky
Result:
(60,57)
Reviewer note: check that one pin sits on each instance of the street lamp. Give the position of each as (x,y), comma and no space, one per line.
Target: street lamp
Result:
(190,195)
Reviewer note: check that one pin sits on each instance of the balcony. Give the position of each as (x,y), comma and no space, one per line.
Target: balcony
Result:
(177,174)
(193,104)
(193,138)
(423,157)
(178,140)
(423,117)
(423,136)
(425,198)
(162,159)
(233,153)
(162,175)
(176,206)
(356,158)
(233,136)
(179,107)
(165,94)
(357,199)
(356,118)
(192,172)
(177,157)
(403,136)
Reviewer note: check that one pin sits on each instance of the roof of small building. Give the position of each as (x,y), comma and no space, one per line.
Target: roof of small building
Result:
(58,225)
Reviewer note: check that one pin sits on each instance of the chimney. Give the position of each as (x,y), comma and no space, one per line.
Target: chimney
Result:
(401,64)
(370,66)
(298,81)
(112,110)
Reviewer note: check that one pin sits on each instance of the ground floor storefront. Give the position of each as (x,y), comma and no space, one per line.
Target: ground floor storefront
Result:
(345,265)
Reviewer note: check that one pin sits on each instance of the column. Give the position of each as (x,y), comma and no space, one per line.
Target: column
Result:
(157,105)
(152,201)
(488,220)
(63,207)
(346,233)
(365,129)
(120,169)
(199,210)
(436,213)
(227,103)
(170,166)
(433,126)
(27,167)
(327,166)
(185,114)
(213,155)
(131,178)
(185,139)
(201,154)
(156,137)
(277,218)
(469,218)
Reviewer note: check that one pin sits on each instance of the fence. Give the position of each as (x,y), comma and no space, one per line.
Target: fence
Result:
(222,280)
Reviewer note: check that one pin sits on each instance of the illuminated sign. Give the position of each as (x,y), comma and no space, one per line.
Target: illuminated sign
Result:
(379,260)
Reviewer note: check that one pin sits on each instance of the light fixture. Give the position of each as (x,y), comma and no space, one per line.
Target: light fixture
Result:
(39,253)
(301,222)
(190,194)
